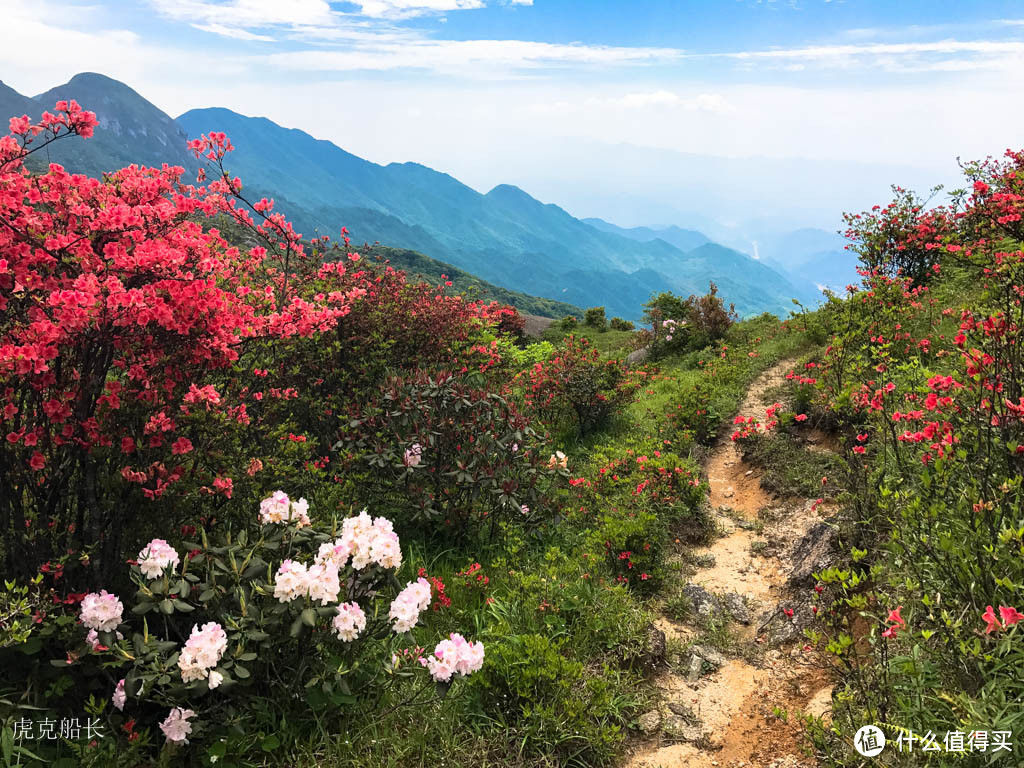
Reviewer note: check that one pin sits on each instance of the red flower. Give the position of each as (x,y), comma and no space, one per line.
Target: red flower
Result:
(38,461)
(800,417)
(991,622)
(1010,616)
(181,445)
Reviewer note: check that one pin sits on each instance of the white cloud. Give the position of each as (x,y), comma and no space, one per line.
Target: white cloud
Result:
(928,56)
(468,57)
(406,8)
(248,13)
(234,32)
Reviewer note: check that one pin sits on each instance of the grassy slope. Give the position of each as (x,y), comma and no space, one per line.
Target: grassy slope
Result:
(453,733)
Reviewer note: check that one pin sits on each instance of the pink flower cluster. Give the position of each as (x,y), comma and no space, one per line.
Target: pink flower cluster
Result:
(201,653)
(156,557)
(455,655)
(413,455)
(278,508)
(410,603)
(101,611)
(176,726)
(349,622)
(369,540)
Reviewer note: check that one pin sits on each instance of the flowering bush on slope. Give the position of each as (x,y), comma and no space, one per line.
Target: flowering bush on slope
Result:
(448,454)
(271,611)
(923,373)
(576,387)
(145,357)
(115,304)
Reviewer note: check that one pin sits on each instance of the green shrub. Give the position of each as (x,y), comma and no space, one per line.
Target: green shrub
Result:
(548,704)
(568,322)
(594,318)
(618,324)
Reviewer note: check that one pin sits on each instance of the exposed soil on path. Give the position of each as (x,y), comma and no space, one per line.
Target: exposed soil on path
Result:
(741,713)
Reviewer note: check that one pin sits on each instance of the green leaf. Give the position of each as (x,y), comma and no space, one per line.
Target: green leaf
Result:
(241,672)
(166,606)
(270,743)
(308,617)
(182,606)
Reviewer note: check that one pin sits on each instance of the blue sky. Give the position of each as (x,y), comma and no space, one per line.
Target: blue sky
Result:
(575,99)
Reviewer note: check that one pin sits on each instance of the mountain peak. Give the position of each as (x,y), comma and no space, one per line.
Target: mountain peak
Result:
(510,192)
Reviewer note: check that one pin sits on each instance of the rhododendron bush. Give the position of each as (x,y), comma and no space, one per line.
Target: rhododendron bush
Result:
(444,453)
(287,605)
(576,388)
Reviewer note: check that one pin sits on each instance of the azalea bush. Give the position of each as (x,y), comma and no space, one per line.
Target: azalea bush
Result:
(923,378)
(577,389)
(305,612)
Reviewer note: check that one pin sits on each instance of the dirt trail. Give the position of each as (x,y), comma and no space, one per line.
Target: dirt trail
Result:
(726,718)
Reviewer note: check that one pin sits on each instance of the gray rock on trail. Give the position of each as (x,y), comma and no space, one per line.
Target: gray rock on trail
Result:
(655,646)
(737,607)
(699,655)
(815,551)
(677,728)
(684,711)
(710,655)
(649,722)
(638,356)
(696,669)
(704,603)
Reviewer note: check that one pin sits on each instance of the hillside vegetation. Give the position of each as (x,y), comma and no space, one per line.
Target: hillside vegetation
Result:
(271,502)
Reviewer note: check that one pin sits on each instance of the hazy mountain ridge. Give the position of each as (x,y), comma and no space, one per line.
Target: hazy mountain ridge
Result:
(505,236)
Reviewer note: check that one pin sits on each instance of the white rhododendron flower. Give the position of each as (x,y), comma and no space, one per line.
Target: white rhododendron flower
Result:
(101,611)
(411,601)
(290,581)
(454,656)
(335,552)
(202,651)
(413,455)
(371,540)
(155,557)
(275,508)
(300,513)
(119,697)
(176,726)
(215,679)
(349,622)
(322,583)
(278,508)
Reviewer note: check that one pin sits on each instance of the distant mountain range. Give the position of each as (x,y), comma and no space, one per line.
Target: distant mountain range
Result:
(504,236)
